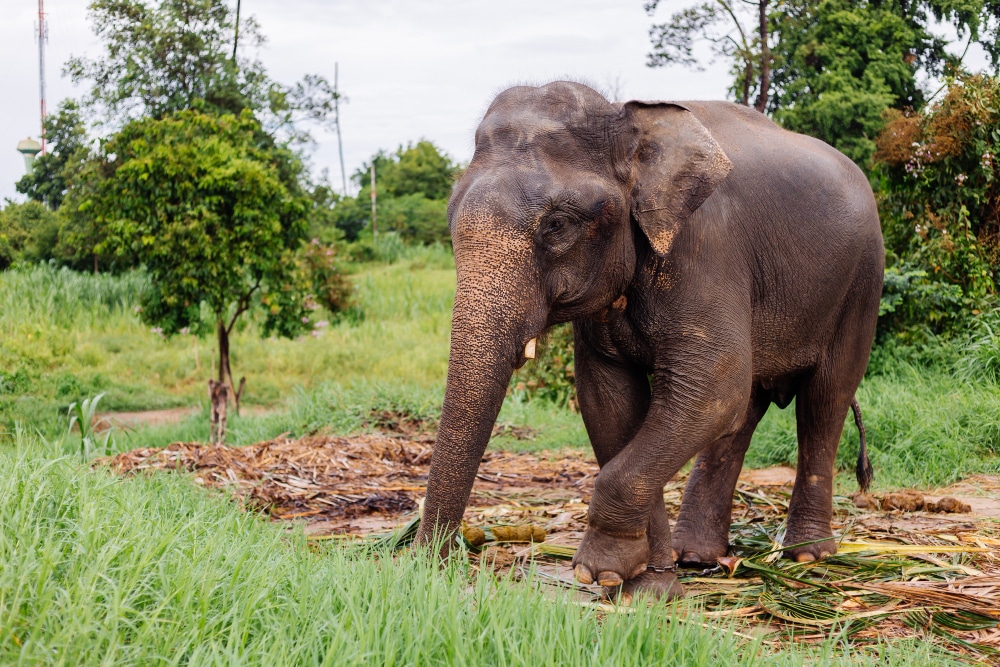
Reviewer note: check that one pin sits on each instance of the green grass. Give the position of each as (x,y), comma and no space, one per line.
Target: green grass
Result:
(926,427)
(65,336)
(932,415)
(152,570)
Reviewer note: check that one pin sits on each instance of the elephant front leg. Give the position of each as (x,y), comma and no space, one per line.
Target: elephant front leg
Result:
(614,399)
(659,579)
(617,545)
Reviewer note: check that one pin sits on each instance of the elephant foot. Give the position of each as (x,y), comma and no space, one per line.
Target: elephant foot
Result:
(610,560)
(652,584)
(698,548)
(817,543)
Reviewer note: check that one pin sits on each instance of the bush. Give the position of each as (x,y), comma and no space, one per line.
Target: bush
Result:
(331,287)
(940,205)
(914,304)
(28,232)
(980,360)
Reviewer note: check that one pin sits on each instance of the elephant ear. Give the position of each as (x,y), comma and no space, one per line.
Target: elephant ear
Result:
(677,166)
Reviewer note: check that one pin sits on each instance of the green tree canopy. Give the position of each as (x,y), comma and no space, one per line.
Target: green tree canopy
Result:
(164,56)
(67,150)
(161,56)
(412,185)
(842,63)
(24,231)
(196,200)
(419,169)
(829,68)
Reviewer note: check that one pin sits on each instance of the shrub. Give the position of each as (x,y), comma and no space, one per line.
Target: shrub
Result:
(28,232)
(980,360)
(331,287)
(940,205)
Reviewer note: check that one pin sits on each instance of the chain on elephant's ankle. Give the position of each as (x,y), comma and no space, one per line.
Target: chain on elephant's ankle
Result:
(660,570)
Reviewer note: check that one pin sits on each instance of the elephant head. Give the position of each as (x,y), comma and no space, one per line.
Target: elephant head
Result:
(564,192)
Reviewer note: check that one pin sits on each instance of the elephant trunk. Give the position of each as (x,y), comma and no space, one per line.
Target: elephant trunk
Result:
(491,326)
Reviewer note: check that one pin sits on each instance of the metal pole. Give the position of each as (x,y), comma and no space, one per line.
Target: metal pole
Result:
(336,116)
(41,64)
(374,227)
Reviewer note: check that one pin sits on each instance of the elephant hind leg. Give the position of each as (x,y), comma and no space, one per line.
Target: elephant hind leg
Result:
(821,408)
(701,534)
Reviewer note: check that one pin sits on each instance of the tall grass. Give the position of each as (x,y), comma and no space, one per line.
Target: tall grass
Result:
(926,427)
(932,414)
(66,336)
(43,295)
(154,571)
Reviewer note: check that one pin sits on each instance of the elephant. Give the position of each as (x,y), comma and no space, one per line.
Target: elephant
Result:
(711,263)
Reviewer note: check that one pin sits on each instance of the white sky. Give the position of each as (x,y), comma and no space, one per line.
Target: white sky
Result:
(411,69)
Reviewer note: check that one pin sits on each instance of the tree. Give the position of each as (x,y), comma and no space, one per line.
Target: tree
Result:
(26,232)
(843,63)
(726,26)
(413,185)
(51,173)
(941,205)
(829,68)
(199,202)
(167,55)
(419,169)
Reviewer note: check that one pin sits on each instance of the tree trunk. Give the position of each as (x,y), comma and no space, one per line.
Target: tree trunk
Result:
(747,78)
(236,33)
(221,388)
(218,392)
(765,60)
(218,396)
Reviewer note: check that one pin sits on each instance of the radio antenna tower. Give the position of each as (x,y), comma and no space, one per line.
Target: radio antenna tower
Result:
(43,36)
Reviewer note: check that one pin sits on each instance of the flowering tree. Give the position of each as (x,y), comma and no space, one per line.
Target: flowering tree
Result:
(941,205)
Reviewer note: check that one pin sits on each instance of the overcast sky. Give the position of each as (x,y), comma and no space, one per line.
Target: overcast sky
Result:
(411,69)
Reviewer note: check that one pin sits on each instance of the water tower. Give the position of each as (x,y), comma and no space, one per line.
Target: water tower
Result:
(29,148)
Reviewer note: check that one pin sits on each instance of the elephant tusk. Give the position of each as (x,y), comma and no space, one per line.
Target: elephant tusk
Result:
(529,349)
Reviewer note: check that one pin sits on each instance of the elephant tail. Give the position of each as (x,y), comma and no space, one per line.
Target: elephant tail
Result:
(863,471)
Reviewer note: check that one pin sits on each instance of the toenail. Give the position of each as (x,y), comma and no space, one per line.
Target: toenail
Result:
(609,579)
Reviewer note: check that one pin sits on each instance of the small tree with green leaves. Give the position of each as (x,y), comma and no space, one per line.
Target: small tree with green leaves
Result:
(200,203)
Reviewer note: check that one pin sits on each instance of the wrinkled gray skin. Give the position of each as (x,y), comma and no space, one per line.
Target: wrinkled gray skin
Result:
(711,263)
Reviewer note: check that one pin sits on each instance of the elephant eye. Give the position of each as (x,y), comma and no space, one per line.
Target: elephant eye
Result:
(555,224)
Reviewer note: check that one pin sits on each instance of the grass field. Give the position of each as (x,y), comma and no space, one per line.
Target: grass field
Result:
(100,570)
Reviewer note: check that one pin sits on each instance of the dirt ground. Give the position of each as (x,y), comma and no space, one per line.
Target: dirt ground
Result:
(131,420)
(357,486)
